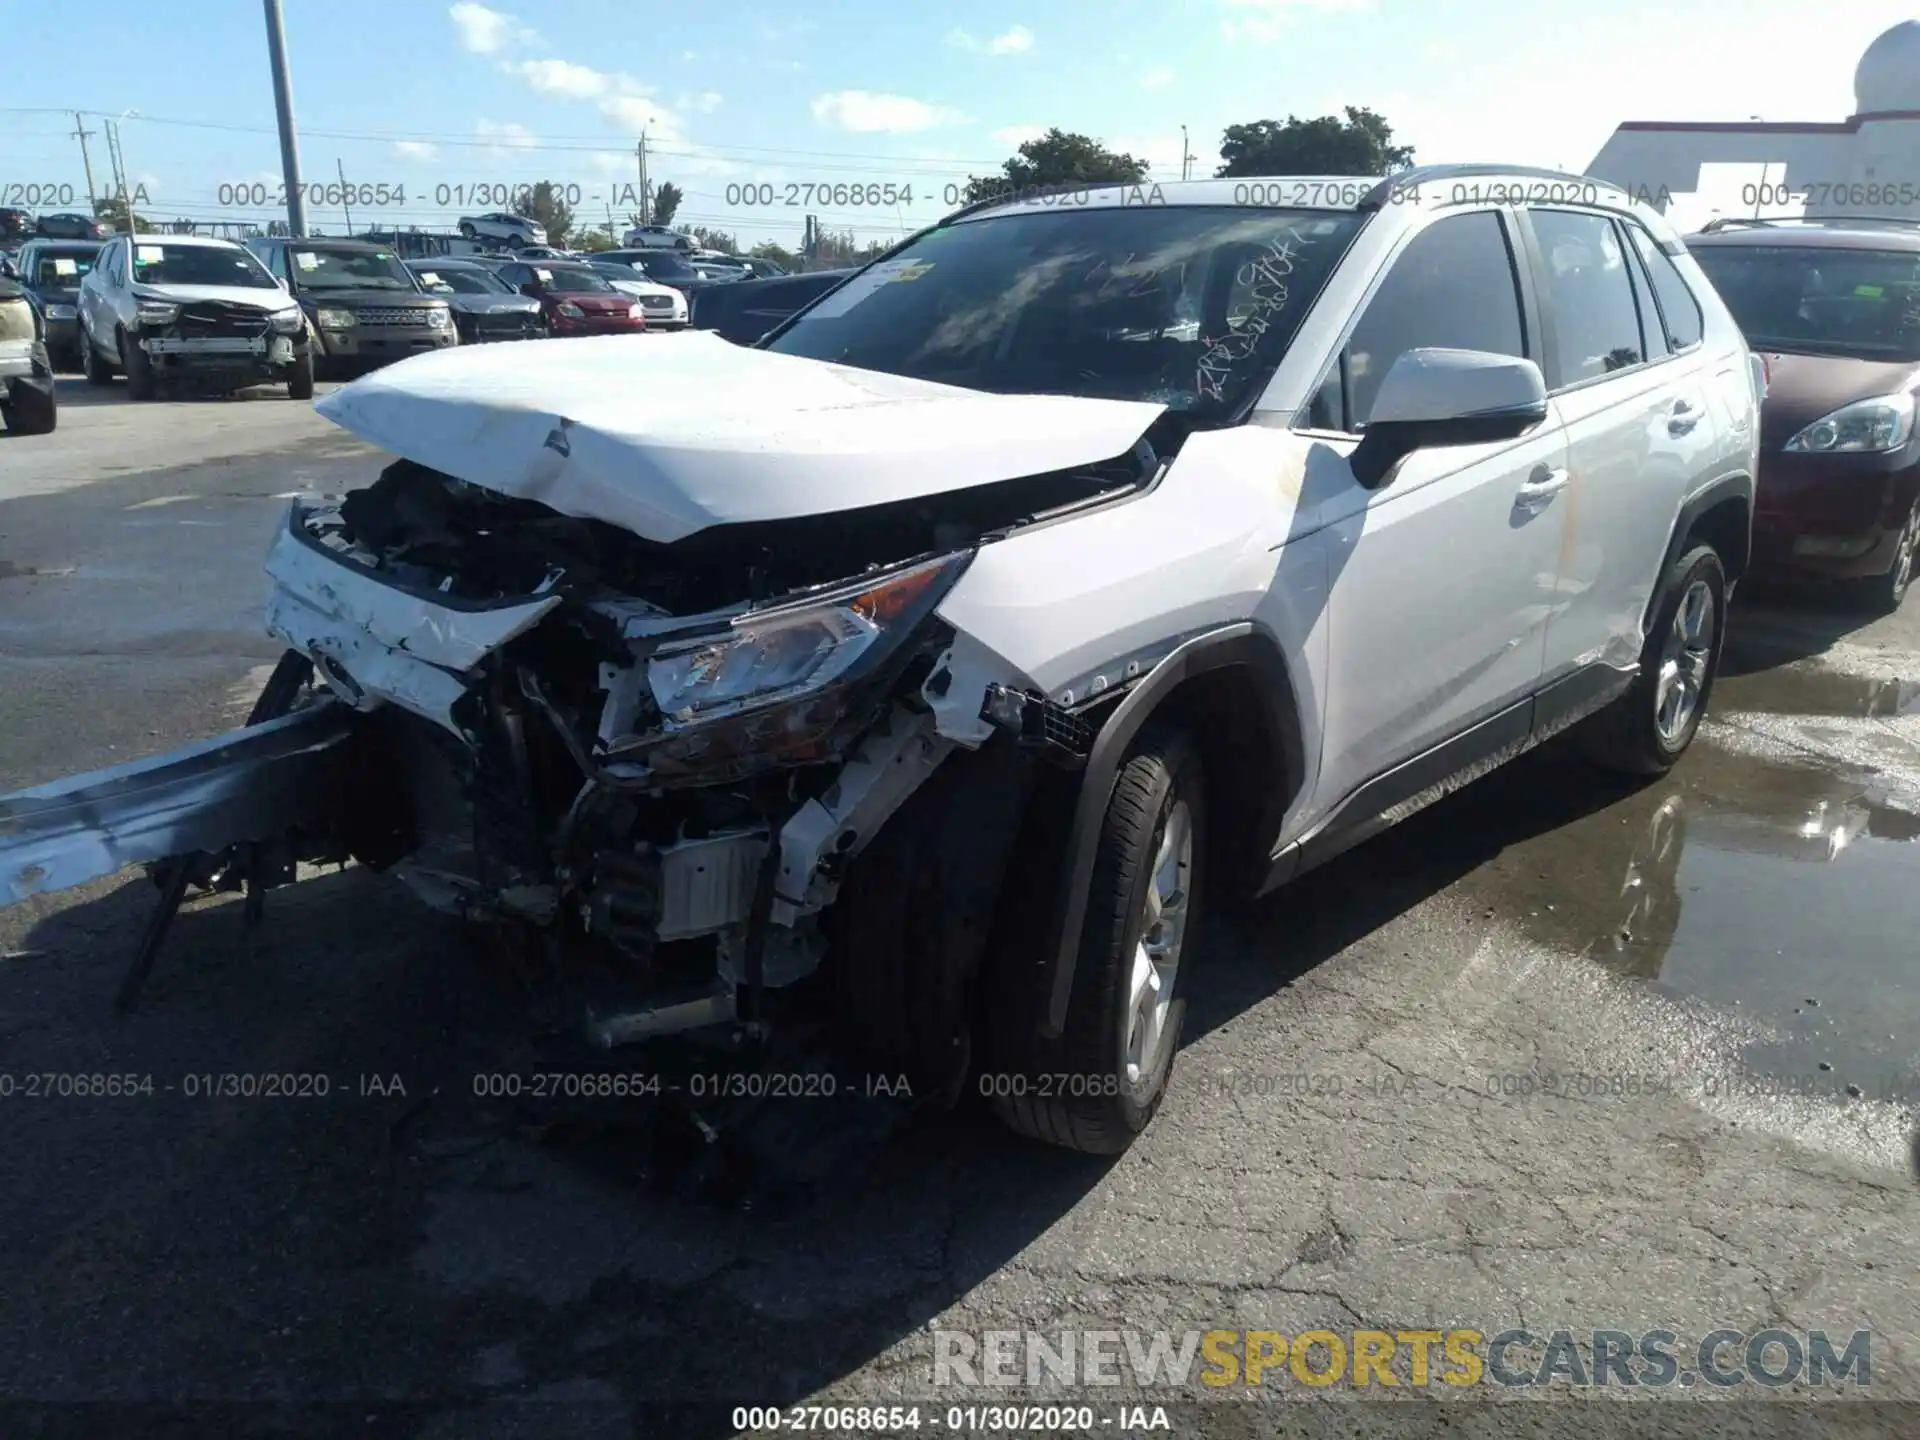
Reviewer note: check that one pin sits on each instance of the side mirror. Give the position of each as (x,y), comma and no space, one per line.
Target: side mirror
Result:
(1447,397)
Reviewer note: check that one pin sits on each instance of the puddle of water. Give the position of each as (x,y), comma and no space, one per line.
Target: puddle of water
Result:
(1786,892)
(1810,690)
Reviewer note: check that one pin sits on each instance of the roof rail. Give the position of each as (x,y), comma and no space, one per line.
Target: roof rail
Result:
(1401,180)
(1766,222)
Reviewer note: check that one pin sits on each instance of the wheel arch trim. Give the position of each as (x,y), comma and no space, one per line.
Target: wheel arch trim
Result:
(1245,645)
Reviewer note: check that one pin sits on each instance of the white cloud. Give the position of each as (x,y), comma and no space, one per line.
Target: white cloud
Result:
(1018,135)
(563,78)
(488,32)
(706,102)
(1015,41)
(868,113)
(1270,18)
(688,55)
(1157,79)
(613,162)
(506,135)
(416,150)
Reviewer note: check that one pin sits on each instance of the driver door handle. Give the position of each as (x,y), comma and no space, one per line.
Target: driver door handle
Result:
(1542,485)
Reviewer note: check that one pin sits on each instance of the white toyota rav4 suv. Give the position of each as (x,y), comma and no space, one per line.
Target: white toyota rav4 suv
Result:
(939,659)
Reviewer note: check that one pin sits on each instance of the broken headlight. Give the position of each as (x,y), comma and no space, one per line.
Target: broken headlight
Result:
(769,657)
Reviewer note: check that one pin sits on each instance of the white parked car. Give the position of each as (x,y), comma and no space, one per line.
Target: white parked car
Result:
(665,307)
(941,662)
(657,237)
(189,307)
(500,227)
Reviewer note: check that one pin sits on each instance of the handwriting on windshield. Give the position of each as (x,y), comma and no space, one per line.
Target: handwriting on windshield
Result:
(1131,278)
(1264,279)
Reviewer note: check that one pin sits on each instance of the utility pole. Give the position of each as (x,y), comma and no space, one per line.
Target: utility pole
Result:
(283,105)
(646,197)
(118,178)
(341,166)
(1186,154)
(81,133)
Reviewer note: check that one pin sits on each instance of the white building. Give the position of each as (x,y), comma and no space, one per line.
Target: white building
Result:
(1867,164)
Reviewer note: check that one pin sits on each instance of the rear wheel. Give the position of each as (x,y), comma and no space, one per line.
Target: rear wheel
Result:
(140,379)
(1649,727)
(1882,594)
(92,363)
(1096,1087)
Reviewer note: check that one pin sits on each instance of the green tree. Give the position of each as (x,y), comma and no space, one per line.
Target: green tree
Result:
(544,204)
(1361,144)
(1061,159)
(595,240)
(712,239)
(666,202)
(111,211)
(779,254)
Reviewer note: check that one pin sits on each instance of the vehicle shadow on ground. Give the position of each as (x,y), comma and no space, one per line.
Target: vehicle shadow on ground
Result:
(1776,622)
(414,1244)
(75,393)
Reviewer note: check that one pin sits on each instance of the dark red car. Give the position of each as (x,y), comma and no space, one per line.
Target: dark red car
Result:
(576,299)
(1833,306)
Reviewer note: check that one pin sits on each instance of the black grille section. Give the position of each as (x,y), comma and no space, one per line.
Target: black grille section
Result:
(217,319)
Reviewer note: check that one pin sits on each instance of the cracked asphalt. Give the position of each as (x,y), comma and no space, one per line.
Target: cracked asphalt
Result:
(1552,1055)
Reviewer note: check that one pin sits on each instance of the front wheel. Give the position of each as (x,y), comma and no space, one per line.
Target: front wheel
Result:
(300,378)
(32,412)
(141,384)
(93,364)
(1097,1086)
(1882,594)
(1649,727)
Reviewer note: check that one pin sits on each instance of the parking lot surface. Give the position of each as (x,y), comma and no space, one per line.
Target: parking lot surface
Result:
(1550,1055)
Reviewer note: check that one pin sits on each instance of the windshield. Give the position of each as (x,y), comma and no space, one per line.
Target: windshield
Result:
(318,268)
(1822,301)
(60,269)
(157,264)
(573,280)
(1185,306)
(462,282)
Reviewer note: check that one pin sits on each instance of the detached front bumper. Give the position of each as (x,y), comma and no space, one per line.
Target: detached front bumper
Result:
(264,357)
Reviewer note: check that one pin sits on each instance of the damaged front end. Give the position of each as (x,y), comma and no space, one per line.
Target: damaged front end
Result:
(657,762)
(218,344)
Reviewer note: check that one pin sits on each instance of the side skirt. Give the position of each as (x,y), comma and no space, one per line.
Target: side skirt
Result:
(1414,784)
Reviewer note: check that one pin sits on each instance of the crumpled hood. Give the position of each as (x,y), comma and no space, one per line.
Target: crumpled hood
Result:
(667,435)
(264,299)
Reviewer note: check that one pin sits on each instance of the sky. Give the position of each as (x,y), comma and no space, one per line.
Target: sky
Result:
(747,104)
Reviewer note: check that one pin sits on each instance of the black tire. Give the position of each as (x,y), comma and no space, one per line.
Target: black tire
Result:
(93,364)
(300,378)
(1075,1092)
(31,411)
(1882,594)
(141,384)
(1627,736)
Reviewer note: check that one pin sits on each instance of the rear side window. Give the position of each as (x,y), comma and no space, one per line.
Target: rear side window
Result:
(1679,311)
(1454,287)
(1594,323)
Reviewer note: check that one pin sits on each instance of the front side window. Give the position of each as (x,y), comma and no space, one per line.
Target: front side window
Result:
(158,263)
(1588,296)
(1186,306)
(1820,300)
(1453,287)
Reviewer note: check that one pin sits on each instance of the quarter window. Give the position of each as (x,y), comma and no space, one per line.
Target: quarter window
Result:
(1588,296)
(1679,311)
(1452,287)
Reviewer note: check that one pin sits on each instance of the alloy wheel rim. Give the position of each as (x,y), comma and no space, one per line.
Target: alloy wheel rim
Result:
(1684,659)
(1909,541)
(1156,955)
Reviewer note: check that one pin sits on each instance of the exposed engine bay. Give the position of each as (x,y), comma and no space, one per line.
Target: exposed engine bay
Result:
(651,767)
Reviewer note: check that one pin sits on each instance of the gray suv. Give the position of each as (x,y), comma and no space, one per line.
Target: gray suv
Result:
(361,302)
